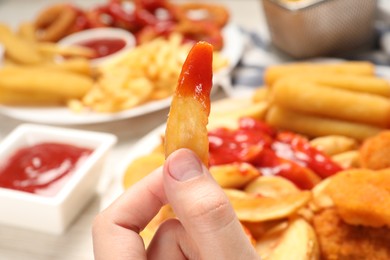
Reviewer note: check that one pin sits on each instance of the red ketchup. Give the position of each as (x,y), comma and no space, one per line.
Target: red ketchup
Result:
(274,153)
(41,169)
(104,46)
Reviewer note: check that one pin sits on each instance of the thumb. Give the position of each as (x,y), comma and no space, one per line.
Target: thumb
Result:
(203,209)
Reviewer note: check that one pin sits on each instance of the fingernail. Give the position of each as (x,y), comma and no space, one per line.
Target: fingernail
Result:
(184,165)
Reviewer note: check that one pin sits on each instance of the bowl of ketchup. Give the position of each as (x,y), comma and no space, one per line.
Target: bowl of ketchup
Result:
(106,43)
(48,174)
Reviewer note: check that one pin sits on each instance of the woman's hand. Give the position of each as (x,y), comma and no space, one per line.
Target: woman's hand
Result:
(206,226)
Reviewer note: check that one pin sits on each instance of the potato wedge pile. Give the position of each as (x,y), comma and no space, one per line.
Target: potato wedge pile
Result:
(32,74)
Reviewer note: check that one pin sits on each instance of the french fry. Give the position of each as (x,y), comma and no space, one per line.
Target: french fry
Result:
(17,49)
(273,73)
(44,81)
(334,144)
(235,175)
(315,126)
(190,107)
(330,102)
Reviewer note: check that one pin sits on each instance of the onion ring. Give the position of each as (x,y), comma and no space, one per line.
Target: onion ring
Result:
(99,17)
(53,23)
(216,14)
(201,31)
(152,12)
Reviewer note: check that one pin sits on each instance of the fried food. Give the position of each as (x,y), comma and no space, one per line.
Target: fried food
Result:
(18,49)
(348,160)
(252,208)
(339,240)
(28,80)
(190,107)
(142,166)
(271,187)
(334,144)
(289,247)
(352,82)
(319,100)
(54,22)
(314,126)
(274,73)
(234,175)
(362,197)
(375,151)
(212,13)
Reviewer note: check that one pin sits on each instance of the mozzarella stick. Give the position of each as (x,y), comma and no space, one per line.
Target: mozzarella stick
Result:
(272,74)
(44,81)
(330,102)
(315,126)
(358,83)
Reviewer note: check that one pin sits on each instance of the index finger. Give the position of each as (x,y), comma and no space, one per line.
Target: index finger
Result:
(126,217)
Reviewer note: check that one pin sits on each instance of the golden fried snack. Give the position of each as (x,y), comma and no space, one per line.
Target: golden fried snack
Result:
(142,166)
(44,81)
(53,23)
(190,107)
(348,159)
(273,73)
(213,13)
(49,48)
(254,208)
(21,98)
(339,240)
(75,65)
(362,196)
(271,187)
(375,152)
(315,126)
(299,241)
(330,102)
(17,49)
(234,175)
(358,83)
(334,144)
(26,31)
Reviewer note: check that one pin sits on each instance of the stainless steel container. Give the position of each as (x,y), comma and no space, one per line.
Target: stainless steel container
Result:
(312,28)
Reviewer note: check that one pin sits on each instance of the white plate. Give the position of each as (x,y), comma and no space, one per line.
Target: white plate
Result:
(233,48)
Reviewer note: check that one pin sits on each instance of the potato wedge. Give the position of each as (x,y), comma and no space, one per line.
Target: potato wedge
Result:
(235,175)
(190,107)
(299,241)
(253,208)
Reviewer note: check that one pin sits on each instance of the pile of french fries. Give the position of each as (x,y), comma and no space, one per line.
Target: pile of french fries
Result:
(314,99)
(32,74)
(148,72)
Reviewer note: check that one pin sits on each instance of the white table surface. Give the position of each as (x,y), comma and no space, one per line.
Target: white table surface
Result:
(76,243)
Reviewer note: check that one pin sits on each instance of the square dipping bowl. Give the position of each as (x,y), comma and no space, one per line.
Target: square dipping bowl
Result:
(53,214)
